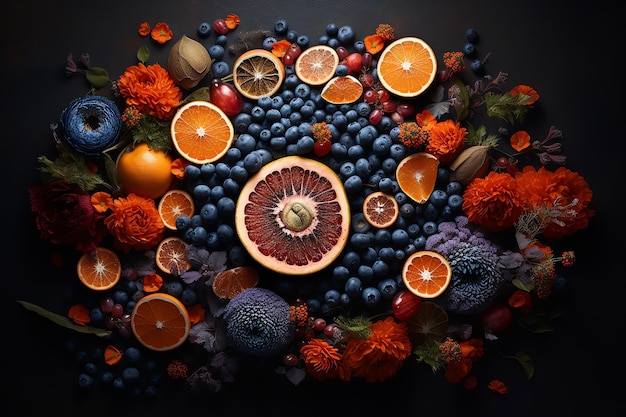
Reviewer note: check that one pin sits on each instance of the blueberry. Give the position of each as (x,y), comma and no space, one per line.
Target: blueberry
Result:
(431,212)
(192,172)
(469,49)
(454,187)
(359,224)
(351,260)
(252,162)
(85,381)
(174,288)
(455,201)
(400,238)
(477,66)
(302,41)
(97,315)
(332,298)
(216,51)
(130,375)
(204,29)
(438,198)
(225,233)
(107,377)
(471,35)
(281,26)
(189,297)
(380,268)
(353,287)
(292,36)
(359,46)
(365,272)
(353,184)
(237,255)
(341,70)
(305,145)
(388,288)
(269,42)
(371,296)
(332,29)
(202,192)
(345,35)
(341,273)
(132,355)
(382,237)
(429,228)
(360,241)
(209,213)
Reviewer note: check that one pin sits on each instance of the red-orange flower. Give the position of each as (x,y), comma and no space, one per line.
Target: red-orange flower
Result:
(497,386)
(323,361)
(526,90)
(150,89)
(144,29)
(112,355)
(494,202)
(521,300)
(471,351)
(280,47)
(447,140)
(232,21)
(79,314)
(152,282)
(101,201)
(135,223)
(178,167)
(196,313)
(381,355)
(426,120)
(161,32)
(564,189)
(520,140)
(374,44)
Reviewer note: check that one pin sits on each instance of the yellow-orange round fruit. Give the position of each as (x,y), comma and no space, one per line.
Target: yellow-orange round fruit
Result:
(293,216)
(144,171)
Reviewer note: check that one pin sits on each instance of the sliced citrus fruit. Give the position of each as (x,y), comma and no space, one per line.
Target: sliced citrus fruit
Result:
(160,321)
(144,171)
(99,269)
(173,204)
(407,67)
(343,89)
(258,73)
(293,215)
(201,132)
(231,282)
(430,320)
(417,174)
(171,256)
(380,209)
(316,65)
(426,274)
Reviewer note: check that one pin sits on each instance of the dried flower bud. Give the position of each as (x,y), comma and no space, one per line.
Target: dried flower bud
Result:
(472,163)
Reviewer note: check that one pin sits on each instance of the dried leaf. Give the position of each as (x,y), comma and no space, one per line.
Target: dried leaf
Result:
(64,321)
(473,162)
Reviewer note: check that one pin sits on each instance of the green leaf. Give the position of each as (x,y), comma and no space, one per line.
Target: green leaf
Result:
(519,284)
(534,324)
(98,77)
(143,54)
(527,364)
(64,321)
(201,94)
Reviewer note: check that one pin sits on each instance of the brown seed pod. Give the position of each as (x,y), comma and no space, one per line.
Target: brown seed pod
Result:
(472,163)
(188,62)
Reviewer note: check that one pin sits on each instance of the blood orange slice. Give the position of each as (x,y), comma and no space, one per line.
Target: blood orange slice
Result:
(426,274)
(171,256)
(293,216)
(380,209)
(160,322)
(231,282)
(99,269)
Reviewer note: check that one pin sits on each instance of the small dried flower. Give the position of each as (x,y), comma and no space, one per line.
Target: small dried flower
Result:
(177,369)
(232,21)
(161,32)
(79,314)
(451,350)
(520,140)
(131,116)
(321,132)
(144,29)
(454,61)
(413,135)
(374,44)
(385,31)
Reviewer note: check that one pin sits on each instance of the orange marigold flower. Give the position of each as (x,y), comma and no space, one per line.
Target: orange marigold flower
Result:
(521,300)
(533,96)
(382,354)
(471,351)
(101,201)
(374,44)
(447,140)
(152,282)
(196,313)
(112,355)
(494,202)
(232,21)
(497,386)
(79,314)
(178,167)
(323,361)
(144,29)
(520,140)
(150,89)
(563,189)
(135,223)
(426,120)
(279,48)
(321,131)
(161,32)
(454,61)
(412,135)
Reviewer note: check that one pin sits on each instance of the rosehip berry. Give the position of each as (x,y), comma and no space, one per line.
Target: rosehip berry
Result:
(220,27)
(322,147)
(290,359)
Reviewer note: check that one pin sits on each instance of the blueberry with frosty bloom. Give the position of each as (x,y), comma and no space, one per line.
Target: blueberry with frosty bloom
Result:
(258,323)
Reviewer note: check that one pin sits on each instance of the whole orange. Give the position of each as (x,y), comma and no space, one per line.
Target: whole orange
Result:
(144,171)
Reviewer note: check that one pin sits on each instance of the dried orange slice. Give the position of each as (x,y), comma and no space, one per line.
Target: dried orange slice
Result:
(380,209)
(343,89)
(201,132)
(430,320)
(99,269)
(417,174)
(316,65)
(171,256)
(173,204)
(407,67)
(258,73)
(231,282)
(160,321)
(426,274)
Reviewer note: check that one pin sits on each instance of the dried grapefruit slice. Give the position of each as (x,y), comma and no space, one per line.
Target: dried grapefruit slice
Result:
(160,322)
(293,216)
(417,174)
(258,73)
(430,320)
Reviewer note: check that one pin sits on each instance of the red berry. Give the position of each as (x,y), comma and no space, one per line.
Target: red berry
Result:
(354,62)
(290,359)
(389,106)
(383,95)
(405,304)
(295,49)
(329,330)
(322,147)
(319,324)
(220,27)
(496,318)
(397,117)
(342,52)
(406,109)
(367,60)
(366,80)
(370,96)
(288,58)
(502,162)
(376,116)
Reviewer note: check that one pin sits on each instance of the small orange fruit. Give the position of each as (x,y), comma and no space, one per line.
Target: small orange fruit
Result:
(201,132)
(171,256)
(231,282)
(144,171)
(407,67)
(417,174)
(316,65)
(99,269)
(173,204)
(344,89)
(430,320)
(380,209)
(426,274)
(160,321)
(258,73)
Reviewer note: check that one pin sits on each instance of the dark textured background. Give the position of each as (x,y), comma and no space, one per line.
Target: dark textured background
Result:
(567,53)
